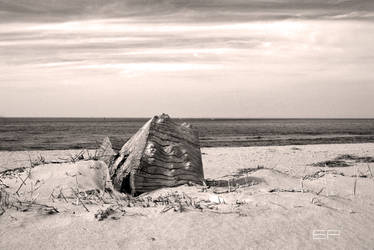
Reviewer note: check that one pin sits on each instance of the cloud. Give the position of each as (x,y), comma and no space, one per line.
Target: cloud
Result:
(239,46)
(185,10)
(257,48)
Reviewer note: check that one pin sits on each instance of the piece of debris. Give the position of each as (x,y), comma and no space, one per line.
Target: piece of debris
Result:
(45,209)
(103,214)
(295,148)
(161,154)
(216,199)
(105,152)
(317,202)
(276,190)
(233,183)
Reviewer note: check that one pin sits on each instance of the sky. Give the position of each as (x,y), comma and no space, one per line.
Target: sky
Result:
(187,58)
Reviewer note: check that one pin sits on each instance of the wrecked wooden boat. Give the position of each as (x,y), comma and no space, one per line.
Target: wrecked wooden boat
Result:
(162,153)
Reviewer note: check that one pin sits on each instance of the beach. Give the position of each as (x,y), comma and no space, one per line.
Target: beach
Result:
(186,124)
(294,197)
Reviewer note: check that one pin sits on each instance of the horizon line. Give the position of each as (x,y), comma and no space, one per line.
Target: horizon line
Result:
(177,117)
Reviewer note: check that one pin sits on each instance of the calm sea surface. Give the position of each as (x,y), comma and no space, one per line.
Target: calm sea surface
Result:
(72,133)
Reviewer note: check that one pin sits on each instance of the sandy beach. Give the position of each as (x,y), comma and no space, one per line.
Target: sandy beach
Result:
(296,199)
(186,124)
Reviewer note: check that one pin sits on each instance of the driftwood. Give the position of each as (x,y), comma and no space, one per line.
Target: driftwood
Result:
(161,154)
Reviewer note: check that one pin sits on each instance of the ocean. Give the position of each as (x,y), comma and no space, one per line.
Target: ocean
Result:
(76,133)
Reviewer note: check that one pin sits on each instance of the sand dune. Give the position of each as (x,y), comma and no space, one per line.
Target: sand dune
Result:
(285,200)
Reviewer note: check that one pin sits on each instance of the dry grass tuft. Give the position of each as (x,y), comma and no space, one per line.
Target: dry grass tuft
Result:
(321,173)
(341,161)
(4,200)
(360,159)
(332,164)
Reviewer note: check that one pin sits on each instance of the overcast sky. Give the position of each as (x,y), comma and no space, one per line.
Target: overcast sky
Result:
(188,58)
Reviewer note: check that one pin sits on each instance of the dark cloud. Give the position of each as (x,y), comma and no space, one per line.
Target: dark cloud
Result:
(185,10)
